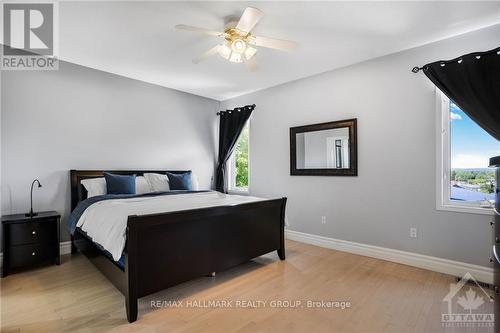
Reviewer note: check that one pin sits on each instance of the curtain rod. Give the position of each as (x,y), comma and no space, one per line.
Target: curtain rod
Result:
(416,69)
(238,109)
(477,55)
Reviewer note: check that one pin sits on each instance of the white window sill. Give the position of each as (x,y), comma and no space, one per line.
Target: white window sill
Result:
(466,209)
(238,192)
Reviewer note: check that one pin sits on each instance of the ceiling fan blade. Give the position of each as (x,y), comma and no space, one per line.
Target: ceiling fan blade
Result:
(199,30)
(251,64)
(213,51)
(251,16)
(273,43)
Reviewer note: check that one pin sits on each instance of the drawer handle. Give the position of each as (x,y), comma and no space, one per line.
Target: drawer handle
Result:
(33,232)
(33,253)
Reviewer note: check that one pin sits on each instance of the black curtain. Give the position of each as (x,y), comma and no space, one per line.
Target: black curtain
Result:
(230,126)
(472,82)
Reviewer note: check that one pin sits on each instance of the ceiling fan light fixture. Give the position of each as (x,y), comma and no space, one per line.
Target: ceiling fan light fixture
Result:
(238,45)
(225,51)
(250,52)
(235,57)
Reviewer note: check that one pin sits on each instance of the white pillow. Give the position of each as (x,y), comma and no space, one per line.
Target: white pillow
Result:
(94,186)
(142,185)
(194,182)
(157,181)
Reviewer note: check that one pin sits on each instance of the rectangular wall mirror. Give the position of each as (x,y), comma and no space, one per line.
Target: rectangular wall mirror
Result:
(326,149)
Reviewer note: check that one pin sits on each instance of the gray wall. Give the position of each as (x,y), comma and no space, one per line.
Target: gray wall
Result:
(80,118)
(396,186)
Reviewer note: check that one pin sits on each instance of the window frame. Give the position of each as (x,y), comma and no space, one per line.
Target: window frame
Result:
(231,181)
(443,165)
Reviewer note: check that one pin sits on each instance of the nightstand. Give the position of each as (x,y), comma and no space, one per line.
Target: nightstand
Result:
(29,241)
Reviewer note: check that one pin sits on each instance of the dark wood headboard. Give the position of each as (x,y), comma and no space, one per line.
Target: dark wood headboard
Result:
(78,192)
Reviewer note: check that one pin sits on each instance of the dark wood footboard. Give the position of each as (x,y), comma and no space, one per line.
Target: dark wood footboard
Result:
(171,248)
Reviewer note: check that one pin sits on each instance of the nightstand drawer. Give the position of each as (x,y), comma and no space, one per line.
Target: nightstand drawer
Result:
(24,255)
(28,233)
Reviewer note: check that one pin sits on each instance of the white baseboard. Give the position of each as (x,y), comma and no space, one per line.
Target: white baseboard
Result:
(446,266)
(64,248)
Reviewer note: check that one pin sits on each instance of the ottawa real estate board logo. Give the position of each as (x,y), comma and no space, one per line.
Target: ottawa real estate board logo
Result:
(29,32)
(468,306)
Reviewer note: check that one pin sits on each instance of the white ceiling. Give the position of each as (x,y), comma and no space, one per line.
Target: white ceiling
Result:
(138,39)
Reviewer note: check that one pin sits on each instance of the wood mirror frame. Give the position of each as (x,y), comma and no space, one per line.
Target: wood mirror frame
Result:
(351,124)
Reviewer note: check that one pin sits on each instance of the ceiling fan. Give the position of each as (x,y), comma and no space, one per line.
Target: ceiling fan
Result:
(238,43)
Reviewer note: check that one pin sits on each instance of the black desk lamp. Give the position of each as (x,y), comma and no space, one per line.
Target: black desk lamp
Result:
(31,213)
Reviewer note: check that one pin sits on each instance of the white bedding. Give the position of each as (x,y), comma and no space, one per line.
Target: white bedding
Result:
(106,221)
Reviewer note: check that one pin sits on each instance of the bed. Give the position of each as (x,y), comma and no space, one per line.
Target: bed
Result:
(167,248)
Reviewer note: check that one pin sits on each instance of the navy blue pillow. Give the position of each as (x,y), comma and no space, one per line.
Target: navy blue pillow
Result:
(118,184)
(179,181)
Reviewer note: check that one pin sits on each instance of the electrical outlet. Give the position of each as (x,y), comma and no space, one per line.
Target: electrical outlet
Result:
(413,232)
(323,219)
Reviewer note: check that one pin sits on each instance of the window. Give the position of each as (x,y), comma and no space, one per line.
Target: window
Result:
(465,183)
(238,163)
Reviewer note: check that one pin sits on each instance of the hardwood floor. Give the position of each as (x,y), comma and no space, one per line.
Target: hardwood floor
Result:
(384,297)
